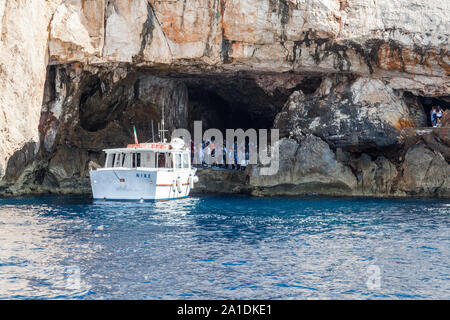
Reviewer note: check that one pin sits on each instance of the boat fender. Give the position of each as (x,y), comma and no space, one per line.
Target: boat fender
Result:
(179,185)
(195,179)
(174,185)
(191,182)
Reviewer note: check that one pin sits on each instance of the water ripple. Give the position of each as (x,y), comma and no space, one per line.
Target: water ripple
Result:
(224,248)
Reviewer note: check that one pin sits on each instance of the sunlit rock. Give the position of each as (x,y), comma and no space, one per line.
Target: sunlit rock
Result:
(353,114)
(305,168)
(425,172)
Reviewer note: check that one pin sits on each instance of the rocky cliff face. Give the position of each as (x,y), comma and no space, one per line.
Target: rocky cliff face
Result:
(23,58)
(343,81)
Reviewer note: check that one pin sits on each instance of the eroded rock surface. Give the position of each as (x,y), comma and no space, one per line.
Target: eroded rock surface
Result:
(342,79)
(221,181)
(402,42)
(308,167)
(23,51)
(352,114)
(425,172)
(85,111)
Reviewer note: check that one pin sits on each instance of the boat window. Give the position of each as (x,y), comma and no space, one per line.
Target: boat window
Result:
(178,160)
(123,159)
(148,160)
(117,160)
(113,159)
(110,158)
(136,160)
(169,161)
(164,160)
(185,160)
(161,160)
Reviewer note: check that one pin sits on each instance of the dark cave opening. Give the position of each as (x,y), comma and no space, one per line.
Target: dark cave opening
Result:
(91,94)
(429,102)
(232,101)
(309,85)
(49,86)
(102,102)
(216,112)
(238,101)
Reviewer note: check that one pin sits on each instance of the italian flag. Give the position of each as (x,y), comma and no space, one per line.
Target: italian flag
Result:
(135,136)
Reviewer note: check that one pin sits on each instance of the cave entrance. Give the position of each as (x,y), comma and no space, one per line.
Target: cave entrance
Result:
(219,112)
(429,102)
(237,104)
(240,101)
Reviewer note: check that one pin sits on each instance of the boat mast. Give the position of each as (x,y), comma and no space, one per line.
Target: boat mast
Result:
(162,131)
(153,134)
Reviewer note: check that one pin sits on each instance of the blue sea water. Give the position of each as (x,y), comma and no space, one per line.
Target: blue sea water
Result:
(225,248)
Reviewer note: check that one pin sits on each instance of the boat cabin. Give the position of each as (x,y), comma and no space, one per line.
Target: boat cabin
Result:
(148,156)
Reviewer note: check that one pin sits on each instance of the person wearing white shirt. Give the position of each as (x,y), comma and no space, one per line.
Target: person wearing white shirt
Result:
(439,115)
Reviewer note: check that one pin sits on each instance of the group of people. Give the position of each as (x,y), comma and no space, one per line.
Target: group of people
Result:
(436,116)
(205,152)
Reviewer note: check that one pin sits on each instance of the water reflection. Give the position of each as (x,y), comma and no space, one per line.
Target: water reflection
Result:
(223,247)
(32,253)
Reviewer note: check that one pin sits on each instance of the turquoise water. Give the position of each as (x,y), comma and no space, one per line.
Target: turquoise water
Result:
(225,248)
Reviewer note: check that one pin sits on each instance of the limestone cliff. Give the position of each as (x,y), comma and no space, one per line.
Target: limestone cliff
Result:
(342,79)
(24,32)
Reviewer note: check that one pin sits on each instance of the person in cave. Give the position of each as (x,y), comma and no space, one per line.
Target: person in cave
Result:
(243,163)
(212,147)
(224,155)
(247,157)
(236,164)
(433,117)
(231,157)
(439,116)
(208,153)
(201,153)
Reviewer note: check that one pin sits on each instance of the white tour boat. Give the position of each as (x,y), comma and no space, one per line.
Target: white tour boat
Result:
(146,172)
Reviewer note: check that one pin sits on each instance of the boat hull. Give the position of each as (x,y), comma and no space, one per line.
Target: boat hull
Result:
(140,184)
